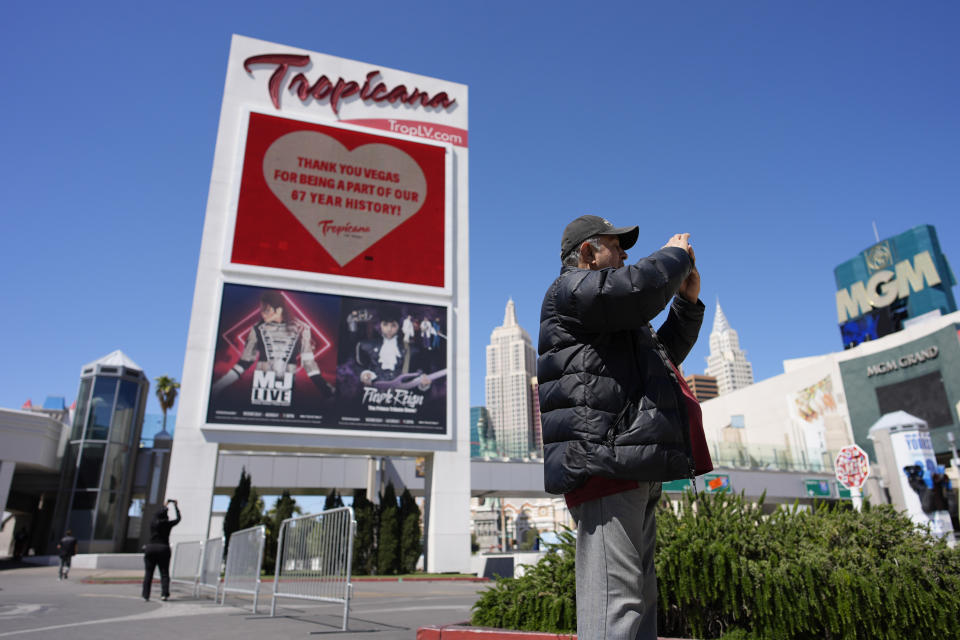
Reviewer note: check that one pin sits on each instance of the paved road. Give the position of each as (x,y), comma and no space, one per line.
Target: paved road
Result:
(34,605)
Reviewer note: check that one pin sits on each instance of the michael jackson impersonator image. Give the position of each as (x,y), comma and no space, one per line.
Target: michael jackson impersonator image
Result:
(617,416)
(277,339)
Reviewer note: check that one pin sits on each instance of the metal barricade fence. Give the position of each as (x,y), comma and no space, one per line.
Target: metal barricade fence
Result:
(209,576)
(185,567)
(244,560)
(314,557)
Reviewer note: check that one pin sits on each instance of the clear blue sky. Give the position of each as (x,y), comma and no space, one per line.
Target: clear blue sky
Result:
(774,132)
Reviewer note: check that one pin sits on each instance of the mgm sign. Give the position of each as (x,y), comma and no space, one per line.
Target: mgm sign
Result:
(896,279)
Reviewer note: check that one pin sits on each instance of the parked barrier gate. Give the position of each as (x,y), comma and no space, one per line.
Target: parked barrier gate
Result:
(314,558)
(244,560)
(185,567)
(209,576)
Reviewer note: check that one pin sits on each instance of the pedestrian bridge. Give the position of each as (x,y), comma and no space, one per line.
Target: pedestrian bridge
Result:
(318,474)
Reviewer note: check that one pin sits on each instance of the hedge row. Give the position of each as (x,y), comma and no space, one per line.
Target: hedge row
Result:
(724,567)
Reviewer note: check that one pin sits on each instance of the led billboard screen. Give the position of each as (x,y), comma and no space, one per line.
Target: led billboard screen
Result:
(298,359)
(324,199)
(874,324)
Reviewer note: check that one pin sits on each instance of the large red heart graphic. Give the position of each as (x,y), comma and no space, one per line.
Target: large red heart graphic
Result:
(346,199)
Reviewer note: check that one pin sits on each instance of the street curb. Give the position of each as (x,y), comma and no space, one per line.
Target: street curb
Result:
(115,581)
(418,579)
(125,580)
(463,631)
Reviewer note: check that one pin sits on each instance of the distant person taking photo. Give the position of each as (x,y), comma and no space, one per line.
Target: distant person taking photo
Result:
(157,552)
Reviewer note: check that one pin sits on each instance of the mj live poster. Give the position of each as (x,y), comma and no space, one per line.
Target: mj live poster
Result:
(300,359)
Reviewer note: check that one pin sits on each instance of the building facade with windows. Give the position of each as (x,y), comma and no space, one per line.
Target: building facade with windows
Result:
(727,362)
(535,413)
(511,365)
(482,441)
(98,470)
(89,467)
(703,387)
(800,419)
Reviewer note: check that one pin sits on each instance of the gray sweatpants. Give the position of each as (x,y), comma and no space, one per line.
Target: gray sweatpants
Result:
(616,580)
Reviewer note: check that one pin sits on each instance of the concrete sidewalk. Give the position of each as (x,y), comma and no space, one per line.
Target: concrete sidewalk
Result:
(34,605)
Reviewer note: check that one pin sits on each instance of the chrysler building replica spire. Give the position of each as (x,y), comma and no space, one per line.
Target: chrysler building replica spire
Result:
(727,362)
(511,363)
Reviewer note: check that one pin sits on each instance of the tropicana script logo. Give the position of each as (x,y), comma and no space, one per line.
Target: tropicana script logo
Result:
(324,87)
(336,229)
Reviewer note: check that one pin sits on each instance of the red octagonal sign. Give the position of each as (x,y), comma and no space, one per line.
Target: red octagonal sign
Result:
(852,466)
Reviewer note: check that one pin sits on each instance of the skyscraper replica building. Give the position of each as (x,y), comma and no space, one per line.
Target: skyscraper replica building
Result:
(727,362)
(511,363)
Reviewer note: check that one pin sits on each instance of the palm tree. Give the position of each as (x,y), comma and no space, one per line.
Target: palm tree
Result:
(166,391)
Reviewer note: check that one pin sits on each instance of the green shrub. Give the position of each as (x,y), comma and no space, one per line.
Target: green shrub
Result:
(364,542)
(284,507)
(739,634)
(388,537)
(544,599)
(411,545)
(724,567)
(332,501)
(238,501)
(252,514)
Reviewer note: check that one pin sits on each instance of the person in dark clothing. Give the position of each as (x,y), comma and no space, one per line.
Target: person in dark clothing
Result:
(388,357)
(617,418)
(67,549)
(157,552)
(20,543)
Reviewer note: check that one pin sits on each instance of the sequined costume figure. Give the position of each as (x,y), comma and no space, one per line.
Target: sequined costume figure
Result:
(274,344)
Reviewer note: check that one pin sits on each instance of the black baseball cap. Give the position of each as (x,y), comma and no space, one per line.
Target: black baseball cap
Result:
(585,227)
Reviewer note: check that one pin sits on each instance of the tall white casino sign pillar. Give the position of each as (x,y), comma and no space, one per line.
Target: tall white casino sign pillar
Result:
(338,204)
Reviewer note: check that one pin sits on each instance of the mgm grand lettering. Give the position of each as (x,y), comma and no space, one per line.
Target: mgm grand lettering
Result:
(885,286)
(903,362)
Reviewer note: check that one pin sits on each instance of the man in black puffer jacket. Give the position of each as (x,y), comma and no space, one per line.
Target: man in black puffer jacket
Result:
(616,420)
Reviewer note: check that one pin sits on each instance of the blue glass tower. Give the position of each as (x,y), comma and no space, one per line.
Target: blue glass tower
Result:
(99,461)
